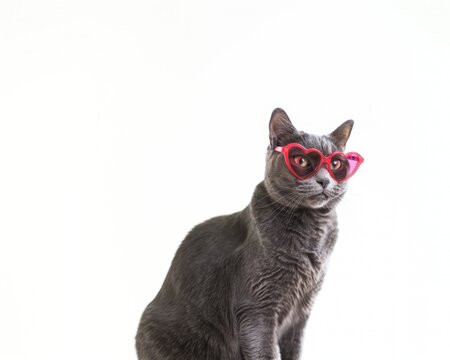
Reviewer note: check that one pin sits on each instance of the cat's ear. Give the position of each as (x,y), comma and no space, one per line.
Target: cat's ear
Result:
(279,126)
(342,133)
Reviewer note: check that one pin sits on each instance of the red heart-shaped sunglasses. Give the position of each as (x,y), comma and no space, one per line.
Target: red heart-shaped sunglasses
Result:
(304,163)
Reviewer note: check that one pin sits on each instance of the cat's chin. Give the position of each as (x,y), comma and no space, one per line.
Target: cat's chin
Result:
(316,201)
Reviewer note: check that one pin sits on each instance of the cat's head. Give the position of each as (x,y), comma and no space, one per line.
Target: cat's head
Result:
(318,191)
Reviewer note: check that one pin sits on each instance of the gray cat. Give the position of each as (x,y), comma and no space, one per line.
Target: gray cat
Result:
(241,286)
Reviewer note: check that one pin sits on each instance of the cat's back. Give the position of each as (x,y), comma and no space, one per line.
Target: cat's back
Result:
(203,258)
(195,292)
(212,241)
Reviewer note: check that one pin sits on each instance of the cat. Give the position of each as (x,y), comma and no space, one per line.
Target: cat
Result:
(241,286)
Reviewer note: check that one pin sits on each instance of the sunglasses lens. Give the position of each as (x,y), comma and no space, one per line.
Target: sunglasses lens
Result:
(303,164)
(344,167)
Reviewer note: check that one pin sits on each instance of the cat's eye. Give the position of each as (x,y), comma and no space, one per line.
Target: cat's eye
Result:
(304,163)
(301,161)
(336,164)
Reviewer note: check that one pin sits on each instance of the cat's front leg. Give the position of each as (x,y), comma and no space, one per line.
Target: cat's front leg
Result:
(257,337)
(290,343)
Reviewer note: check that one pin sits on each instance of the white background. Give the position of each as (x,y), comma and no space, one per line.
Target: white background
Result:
(125,123)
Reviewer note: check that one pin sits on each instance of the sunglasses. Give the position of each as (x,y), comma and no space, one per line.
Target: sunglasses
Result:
(304,163)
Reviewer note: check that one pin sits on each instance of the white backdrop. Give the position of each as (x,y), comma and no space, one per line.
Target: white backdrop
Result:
(125,123)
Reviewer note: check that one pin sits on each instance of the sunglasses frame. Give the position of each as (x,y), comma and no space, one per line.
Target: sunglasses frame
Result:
(323,160)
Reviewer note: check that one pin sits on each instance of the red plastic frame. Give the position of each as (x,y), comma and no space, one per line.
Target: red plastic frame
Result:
(323,160)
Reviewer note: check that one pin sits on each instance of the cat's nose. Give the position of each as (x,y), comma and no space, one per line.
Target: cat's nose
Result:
(323,182)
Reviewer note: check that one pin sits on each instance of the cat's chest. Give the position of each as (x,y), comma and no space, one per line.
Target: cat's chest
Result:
(301,268)
(300,277)
(294,263)
(295,299)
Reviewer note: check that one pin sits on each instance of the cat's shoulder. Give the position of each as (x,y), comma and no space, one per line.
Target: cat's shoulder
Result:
(217,235)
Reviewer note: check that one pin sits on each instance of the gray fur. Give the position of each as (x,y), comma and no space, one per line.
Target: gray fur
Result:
(241,286)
